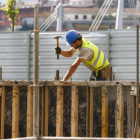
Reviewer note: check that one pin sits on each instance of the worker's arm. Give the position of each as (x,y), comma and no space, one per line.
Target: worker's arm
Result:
(72,68)
(68,53)
(65,53)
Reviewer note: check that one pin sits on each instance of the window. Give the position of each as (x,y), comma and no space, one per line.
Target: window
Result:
(5,19)
(71,3)
(42,10)
(76,3)
(76,16)
(84,17)
(1,19)
(92,17)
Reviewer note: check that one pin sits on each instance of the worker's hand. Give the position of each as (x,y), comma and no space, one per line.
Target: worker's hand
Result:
(57,50)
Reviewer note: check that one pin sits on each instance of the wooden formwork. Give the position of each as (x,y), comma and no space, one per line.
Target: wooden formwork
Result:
(121,88)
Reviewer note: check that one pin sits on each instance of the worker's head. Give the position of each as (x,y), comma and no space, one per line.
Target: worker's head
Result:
(72,36)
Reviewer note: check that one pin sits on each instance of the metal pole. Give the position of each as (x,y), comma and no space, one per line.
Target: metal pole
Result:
(36,75)
(119,20)
(137,101)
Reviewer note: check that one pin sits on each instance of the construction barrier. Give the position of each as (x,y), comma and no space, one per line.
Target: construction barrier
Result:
(108,94)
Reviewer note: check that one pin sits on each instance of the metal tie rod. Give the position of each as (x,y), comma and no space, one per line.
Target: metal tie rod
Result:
(101,15)
(97,14)
(48,20)
(50,23)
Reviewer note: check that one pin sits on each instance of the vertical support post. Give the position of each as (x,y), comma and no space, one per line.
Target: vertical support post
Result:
(15,112)
(133,114)
(59,112)
(43,113)
(0,73)
(91,112)
(104,112)
(87,111)
(137,101)
(120,112)
(46,110)
(129,112)
(36,75)
(57,74)
(74,112)
(108,46)
(110,73)
(29,132)
(2,113)
(0,104)
(28,56)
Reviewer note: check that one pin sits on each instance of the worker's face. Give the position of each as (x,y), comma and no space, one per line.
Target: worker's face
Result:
(77,44)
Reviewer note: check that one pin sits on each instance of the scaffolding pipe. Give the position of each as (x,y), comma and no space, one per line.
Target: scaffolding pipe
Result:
(98,14)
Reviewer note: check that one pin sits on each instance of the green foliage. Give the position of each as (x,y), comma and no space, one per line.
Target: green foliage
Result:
(11,11)
(26,27)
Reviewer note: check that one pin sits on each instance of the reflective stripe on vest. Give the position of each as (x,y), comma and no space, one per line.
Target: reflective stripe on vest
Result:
(95,62)
(99,60)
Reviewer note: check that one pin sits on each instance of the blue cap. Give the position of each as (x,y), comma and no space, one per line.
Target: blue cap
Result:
(71,36)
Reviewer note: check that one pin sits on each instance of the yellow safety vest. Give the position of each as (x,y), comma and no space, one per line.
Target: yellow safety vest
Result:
(99,60)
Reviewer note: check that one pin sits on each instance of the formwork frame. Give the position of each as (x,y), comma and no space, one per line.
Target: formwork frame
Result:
(89,85)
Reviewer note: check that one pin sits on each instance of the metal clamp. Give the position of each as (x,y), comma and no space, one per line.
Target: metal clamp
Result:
(133,90)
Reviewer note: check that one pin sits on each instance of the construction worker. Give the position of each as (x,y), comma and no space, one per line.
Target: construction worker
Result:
(89,54)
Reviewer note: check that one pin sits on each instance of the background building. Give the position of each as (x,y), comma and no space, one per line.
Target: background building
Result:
(81,13)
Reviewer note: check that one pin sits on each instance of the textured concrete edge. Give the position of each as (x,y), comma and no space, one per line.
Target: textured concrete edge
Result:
(67,83)
(24,138)
(71,138)
(84,138)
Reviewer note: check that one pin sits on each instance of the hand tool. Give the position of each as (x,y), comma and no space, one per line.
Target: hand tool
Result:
(57,37)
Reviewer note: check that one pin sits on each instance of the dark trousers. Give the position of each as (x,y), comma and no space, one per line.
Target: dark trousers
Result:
(93,77)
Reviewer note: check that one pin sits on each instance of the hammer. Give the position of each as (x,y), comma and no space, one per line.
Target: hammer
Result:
(57,37)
